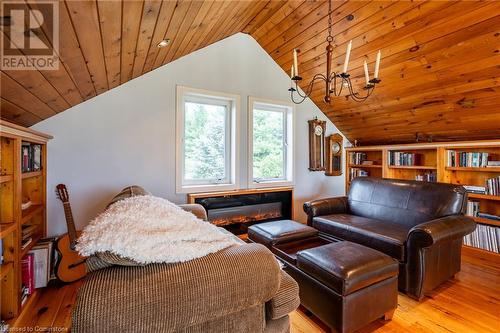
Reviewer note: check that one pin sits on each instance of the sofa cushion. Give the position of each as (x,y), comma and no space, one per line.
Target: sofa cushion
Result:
(279,232)
(346,267)
(387,237)
(404,201)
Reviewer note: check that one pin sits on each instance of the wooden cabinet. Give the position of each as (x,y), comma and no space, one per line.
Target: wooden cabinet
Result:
(429,161)
(14,185)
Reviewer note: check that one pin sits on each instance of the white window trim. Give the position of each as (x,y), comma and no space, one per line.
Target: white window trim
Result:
(234,139)
(289,153)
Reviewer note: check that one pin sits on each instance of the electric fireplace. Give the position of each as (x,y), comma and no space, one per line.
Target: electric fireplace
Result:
(236,210)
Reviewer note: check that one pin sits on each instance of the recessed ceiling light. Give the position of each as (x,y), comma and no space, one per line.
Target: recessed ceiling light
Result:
(164,43)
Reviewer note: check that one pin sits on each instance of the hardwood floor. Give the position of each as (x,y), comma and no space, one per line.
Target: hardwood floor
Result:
(468,303)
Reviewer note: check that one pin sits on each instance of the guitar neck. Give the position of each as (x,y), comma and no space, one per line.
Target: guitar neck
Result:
(70,222)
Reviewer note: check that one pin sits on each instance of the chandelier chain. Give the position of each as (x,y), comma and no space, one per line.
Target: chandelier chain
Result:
(330,23)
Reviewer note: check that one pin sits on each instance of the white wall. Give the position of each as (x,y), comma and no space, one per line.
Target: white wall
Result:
(126,136)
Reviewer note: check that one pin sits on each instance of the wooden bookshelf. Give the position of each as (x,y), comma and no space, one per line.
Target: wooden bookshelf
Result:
(374,170)
(14,185)
(434,158)
(413,167)
(484,196)
(482,220)
(366,166)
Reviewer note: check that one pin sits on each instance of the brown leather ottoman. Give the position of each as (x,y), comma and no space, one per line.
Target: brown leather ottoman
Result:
(344,284)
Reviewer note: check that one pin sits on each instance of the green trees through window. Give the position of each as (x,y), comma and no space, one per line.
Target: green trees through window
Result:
(205,142)
(268,144)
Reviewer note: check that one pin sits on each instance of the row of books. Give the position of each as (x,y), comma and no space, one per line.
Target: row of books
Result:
(37,267)
(4,326)
(28,232)
(31,155)
(471,159)
(484,237)
(399,158)
(493,186)
(427,177)
(353,173)
(472,208)
(357,158)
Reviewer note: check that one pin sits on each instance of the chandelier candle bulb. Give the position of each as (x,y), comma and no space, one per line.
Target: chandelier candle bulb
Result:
(295,63)
(291,73)
(367,75)
(347,55)
(377,64)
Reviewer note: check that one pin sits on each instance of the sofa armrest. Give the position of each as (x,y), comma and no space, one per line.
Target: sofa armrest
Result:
(285,300)
(197,210)
(325,207)
(442,229)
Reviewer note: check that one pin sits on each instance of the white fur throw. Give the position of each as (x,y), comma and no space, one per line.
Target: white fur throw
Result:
(148,229)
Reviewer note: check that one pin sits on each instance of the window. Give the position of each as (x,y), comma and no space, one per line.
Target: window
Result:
(206,140)
(270,148)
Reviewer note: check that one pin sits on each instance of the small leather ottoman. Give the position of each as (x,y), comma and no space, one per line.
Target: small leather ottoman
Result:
(344,284)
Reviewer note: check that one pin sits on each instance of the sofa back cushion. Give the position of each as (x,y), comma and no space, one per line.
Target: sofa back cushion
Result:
(403,201)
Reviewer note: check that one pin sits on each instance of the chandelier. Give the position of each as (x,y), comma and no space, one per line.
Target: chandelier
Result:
(334,82)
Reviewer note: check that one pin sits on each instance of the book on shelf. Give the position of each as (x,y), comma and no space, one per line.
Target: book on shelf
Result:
(493,186)
(467,159)
(427,177)
(493,164)
(27,272)
(47,246)
(488,216)
(1,251)
(398,158)
(475,189)
(4,327)
(27,230)
(357,158)
(472,208)
(26,242)
(353,173)
(26,203)
(31,157)
(41,258)
(484,237)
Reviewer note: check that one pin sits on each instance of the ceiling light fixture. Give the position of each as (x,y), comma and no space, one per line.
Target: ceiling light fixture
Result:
(334,82)
(164,43)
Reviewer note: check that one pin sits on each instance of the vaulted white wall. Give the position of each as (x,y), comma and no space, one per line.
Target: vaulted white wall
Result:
(127,135)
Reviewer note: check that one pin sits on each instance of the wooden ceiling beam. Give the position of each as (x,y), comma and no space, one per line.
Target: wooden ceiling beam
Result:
(70,54)
(16,114)
(279,15)
(211,21)
(150,14)
(261,18)
(132,15)
(23,98)
(192,29)
(85,21)
(110,20)
(164,17)
(173,28)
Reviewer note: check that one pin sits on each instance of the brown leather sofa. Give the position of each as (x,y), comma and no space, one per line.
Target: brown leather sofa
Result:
(238,289)
(420,224)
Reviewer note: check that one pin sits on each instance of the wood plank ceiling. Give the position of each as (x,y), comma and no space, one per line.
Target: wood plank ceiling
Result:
(440,59)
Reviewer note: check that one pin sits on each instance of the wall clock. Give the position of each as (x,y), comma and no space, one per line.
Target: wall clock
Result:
(317,129)
(333,159)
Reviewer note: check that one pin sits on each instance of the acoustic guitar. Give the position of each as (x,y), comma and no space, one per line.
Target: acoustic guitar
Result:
(70,266)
